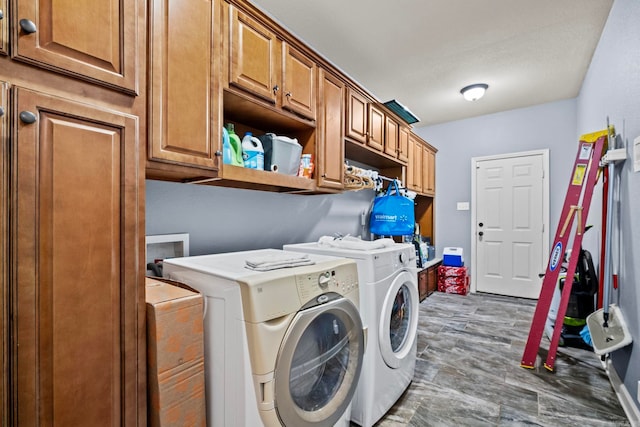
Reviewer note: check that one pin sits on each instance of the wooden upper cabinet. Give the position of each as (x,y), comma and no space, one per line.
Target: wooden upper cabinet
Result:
(184,126)
(391,137)
(4,254)
(414,166)
(375,138)
(95,40)
(357,110)
(77,283)
(330,139)
(255,61)
(428,171)
(403,143)
(4,28)
(299,77)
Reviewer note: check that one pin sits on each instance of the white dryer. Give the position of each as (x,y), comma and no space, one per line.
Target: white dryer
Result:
(389,309)
(282,347)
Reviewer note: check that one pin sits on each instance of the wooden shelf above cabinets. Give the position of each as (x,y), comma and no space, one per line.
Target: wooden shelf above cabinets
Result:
(253,179)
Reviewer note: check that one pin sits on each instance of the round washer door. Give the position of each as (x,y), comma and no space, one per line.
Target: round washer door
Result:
(399,320)
(319,364)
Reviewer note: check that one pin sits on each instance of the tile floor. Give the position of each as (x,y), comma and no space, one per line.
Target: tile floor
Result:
(468,372)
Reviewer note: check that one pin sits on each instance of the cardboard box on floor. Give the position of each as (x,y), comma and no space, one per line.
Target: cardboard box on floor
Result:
(175,354)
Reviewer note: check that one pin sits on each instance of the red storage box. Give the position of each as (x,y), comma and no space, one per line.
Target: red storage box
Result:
(453,280)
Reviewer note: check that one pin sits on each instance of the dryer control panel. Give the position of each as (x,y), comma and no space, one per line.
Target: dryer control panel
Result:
(341,279)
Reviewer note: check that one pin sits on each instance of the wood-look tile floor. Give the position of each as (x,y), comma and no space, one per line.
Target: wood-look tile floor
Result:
(468,371)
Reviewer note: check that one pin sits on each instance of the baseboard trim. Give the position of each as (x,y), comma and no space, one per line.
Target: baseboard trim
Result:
(626,401)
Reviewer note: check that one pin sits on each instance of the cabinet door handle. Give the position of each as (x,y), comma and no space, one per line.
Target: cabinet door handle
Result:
(276,88)
(28,26)
(480,234)
(1,111)
(1,14)
(218,153)
(288,94)
(27,117)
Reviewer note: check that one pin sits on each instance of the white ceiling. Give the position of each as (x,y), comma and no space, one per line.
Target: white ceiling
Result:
(422,52)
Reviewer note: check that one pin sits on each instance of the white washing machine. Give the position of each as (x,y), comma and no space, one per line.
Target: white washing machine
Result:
(282,347)
(389,309)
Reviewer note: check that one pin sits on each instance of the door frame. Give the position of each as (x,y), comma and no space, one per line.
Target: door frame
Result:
(545,205)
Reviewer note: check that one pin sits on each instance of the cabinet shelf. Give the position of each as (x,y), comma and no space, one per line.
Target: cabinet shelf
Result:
(253,179)
(357,151)
(249,111)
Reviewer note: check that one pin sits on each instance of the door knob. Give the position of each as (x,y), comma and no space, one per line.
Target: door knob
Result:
(481,234)
(28,26)
(480,224)
(27,117)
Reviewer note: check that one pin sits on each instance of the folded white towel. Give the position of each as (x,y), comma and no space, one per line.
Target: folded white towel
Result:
(355,243)
(275,261)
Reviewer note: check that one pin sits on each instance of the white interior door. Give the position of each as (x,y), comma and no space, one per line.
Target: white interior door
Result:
(510,231)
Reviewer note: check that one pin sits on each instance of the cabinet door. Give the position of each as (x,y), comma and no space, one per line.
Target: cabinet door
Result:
(376,128)
(77,286)
(429,172)
(299,77)
(255,60)
(356,113)
(184,124)
(4,28)
(409,181)
(403,143)
(4,254)
(423,284)
(391,137)
(330,152)
(417,166)
(432,279)
(96,40)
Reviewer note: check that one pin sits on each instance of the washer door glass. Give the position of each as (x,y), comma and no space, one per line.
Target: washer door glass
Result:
(399,320)
(319,364)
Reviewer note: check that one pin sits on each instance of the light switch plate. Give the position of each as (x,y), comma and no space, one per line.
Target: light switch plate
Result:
(462,206)
(636,154)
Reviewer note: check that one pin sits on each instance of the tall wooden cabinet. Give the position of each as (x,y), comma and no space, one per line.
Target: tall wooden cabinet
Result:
(183,88)
(4,254)
(72,158)
(75,267)
(330,137)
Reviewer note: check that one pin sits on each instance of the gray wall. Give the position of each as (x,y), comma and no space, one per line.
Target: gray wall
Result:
(612,88)
(549,126)
(226,220)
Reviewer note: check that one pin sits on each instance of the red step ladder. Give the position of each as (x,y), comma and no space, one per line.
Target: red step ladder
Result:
(576,205)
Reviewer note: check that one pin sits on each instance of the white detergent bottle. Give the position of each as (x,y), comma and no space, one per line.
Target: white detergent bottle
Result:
(252,152)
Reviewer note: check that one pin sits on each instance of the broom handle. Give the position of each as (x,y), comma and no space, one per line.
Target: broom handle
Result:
(607,245)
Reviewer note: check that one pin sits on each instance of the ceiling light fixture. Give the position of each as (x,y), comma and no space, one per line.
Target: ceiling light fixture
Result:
(474,92)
